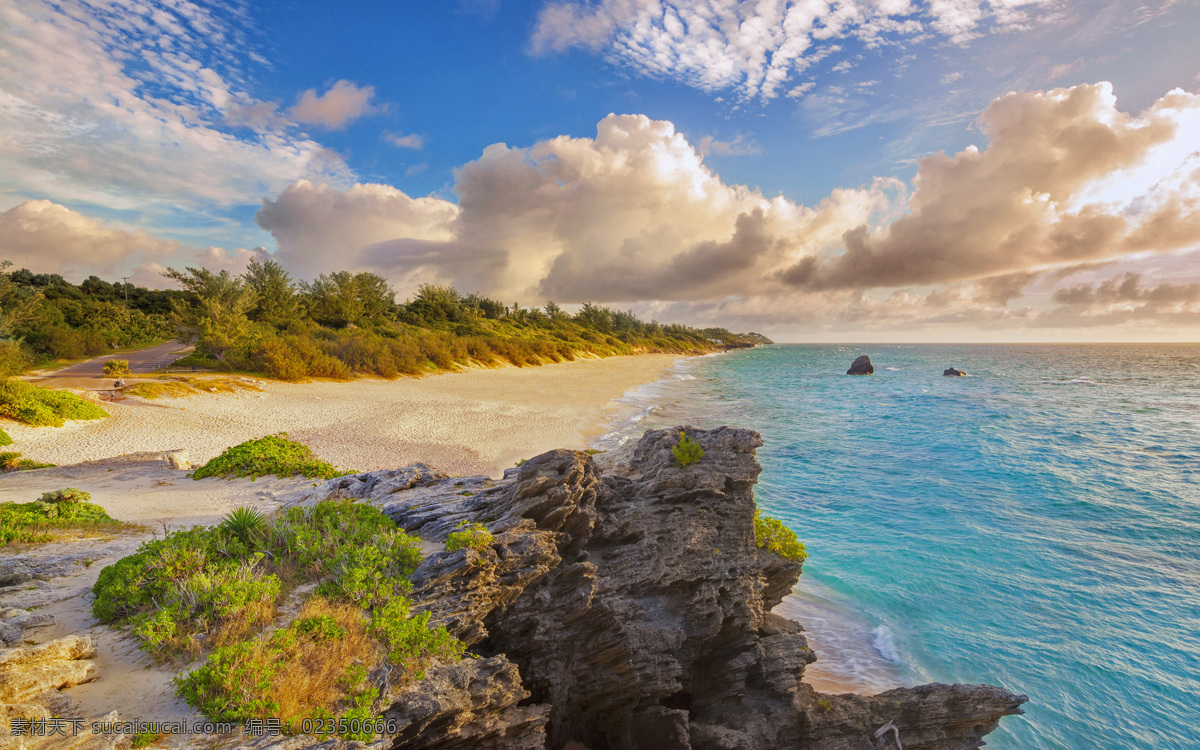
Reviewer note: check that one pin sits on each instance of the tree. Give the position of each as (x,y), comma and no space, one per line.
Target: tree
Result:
(17,304)
(216,318)
(276,300)
(342,298)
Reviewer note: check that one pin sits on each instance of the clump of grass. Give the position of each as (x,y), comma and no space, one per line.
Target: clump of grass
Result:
(273,454)
(160,389)
(48,517)
(5,439)
(687,452)
(42,407)
(469,535)
(116,367)
(771,534)
(12,461)
(226,581)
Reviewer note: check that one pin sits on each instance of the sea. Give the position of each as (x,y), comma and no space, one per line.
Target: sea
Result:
(1033,525)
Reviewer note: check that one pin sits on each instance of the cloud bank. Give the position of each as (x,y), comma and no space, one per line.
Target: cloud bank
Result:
(1066,184)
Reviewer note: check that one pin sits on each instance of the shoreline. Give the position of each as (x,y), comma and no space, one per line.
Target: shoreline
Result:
(479,421)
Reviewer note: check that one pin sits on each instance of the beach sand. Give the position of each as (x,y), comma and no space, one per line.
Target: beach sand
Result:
(479,421)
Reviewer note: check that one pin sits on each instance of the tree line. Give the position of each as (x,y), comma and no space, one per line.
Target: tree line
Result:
(336,325)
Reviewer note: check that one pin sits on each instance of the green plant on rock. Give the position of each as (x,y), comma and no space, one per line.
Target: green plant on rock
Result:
(273,454)
(116,367)
(771,534)
(472,535)
(687,452)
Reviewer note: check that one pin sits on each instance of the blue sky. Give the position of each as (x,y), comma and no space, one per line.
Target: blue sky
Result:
(769,174)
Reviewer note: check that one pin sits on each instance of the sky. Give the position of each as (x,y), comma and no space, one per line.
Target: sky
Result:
(818,171)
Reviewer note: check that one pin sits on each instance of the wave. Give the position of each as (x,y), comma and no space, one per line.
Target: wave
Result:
(884,644)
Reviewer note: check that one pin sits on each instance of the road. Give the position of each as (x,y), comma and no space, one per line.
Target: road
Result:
(85,374)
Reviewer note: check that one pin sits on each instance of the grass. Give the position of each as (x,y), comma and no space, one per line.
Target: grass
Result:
(687,452)
(273,454)
(5,439)
(159,389)
(42,407)
(771,534)
(12,461)
(469,536)
(180,386)
(47,518)
(214,592)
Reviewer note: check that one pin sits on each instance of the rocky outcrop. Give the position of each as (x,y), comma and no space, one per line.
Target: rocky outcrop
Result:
(27,672)
(635,607)
(861,366)
(951,372)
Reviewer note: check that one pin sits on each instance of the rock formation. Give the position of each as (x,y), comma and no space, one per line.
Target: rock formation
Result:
(861,366)
(950,372)
(631,609)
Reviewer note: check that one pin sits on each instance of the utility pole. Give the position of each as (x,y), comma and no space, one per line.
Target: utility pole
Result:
(125,284)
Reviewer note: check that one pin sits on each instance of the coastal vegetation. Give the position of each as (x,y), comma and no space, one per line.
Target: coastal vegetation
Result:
(336,326)
(12,461)
(50,516)
(39,407)
(213,592)
(771,534)
(273,454)
(116,367)
(687,451)
(466,535)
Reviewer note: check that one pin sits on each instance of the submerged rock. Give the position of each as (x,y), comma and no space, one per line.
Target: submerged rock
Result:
(950,372)
(861,366)
(633,610)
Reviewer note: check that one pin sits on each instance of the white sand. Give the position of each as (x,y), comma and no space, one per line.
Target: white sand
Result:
(475,422)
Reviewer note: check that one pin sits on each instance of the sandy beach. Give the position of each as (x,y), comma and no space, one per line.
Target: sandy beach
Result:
(474,422)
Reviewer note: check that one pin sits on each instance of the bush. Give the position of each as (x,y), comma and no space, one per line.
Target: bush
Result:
(13,359)
(5,439)
(41,407)
(687,452)
(60,510)
(771,534)
(472,535)
(12,461)
(116,367)
(273,454)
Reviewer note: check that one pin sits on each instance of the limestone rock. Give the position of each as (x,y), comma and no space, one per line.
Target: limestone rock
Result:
(951,372)
(861,366)
(27,672)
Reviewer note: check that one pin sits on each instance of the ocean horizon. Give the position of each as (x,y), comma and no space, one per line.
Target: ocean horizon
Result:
(1034,525)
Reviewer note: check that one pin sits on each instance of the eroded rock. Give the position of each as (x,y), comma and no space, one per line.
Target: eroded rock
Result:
(861,366)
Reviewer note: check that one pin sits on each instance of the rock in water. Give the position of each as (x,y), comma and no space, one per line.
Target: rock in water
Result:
(950,372)
(861,366)
(631,610)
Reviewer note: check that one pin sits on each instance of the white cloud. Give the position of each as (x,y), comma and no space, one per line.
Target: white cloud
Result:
(141,105)
(739,145)
(412,140)
(756,46)
(50,238)
(340,105)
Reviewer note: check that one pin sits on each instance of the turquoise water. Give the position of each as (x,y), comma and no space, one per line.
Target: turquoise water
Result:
(1035,525)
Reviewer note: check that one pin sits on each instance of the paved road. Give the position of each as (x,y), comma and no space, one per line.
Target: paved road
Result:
(84,374)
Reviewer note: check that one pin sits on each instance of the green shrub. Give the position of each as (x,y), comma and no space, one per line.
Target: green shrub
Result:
(409,640)
(273,454)
(42,407)
(56,511)
(687,452)
(469,535)
(5,439)
(12,461)
(246,524)
(771,534)
(116,367)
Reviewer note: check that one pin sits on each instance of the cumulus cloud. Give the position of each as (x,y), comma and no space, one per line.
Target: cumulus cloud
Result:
(755,46)
(1066,178)
(320,228)
(50,238)
(340,105)
(628,215)
(141,105)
